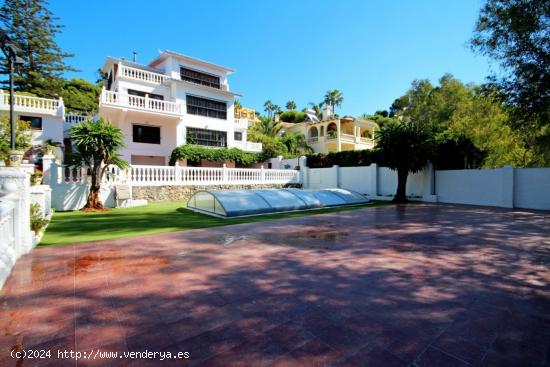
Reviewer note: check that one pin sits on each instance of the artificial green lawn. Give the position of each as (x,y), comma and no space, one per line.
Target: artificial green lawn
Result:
(77,226)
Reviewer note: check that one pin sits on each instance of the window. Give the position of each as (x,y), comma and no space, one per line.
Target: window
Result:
(36,122)
(210,138)
(146,134)
(139,93)
(198,77)
(238,136)
(206,107)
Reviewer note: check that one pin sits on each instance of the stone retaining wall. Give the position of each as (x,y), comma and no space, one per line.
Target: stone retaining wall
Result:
(183,193)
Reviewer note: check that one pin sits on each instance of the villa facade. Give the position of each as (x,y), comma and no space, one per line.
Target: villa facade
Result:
(174,100)
(336,134)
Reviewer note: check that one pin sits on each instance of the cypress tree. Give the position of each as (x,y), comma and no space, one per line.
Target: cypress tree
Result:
(33,28)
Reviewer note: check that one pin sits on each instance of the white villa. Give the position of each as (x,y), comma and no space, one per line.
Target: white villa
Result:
(46,116)
(335,134)
(174,100)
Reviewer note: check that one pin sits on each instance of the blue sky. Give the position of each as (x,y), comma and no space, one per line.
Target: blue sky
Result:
(281,50)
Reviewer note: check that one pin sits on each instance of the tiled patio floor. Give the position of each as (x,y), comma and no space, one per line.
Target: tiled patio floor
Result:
(423,285)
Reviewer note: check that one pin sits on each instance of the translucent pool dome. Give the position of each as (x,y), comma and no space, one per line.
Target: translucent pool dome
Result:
(236,203)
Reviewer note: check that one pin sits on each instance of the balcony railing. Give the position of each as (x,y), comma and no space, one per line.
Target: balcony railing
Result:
(248,146)
(74,118)
(32,104)
(141,75)
(139,103)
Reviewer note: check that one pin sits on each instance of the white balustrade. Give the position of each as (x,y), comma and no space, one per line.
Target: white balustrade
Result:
(141,103)
(23,103)
(74,118)
(7,225)
(248,146)
(141,175)
(141,75)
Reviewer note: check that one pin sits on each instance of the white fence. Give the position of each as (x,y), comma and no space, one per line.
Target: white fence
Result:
(141,175)
(506,187)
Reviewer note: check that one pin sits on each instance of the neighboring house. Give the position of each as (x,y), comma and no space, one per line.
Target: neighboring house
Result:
(245,118)
(44,115)
(333,134)
(174,100)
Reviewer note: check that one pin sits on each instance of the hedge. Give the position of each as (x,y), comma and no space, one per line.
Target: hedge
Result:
(348,158)
(196,153)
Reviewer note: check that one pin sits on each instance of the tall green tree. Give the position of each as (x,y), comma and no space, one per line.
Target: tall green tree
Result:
(271,108)
(296,144)
(266,126)
(97,144)
(456,111)
(404,147)
(334,98)
(516,33)
(80,96)
(291,105)
(33,28)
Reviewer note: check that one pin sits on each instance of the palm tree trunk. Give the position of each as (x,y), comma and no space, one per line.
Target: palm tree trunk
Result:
(401,194)
(94,202)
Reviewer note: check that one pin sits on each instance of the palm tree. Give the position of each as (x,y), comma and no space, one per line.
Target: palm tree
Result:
(267,126)
(334,98)
(317,109)
(237,105)
(97,145)
(296,144)
(405,147)
(270,108)
(291,105)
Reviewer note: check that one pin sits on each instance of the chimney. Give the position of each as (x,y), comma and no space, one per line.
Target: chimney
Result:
(135,56)
(327,113)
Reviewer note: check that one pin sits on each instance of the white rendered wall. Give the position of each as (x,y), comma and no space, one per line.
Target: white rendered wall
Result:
(168,135)
(532,188)
(474,187)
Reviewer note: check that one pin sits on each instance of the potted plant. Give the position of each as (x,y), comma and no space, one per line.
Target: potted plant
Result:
(36,177)
(49,146)
(23,137)
(37,221)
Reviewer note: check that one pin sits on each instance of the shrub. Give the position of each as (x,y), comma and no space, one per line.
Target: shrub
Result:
(196,153)
(348,158)
(293,116)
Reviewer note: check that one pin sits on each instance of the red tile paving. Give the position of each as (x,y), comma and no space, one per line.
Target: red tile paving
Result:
(421,285)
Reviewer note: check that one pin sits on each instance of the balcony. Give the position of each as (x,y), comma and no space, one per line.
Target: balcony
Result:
(136,103)
(30,104)
(140,75)
(248,146)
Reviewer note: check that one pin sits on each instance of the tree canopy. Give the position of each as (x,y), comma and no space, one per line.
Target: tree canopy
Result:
(404,147)
(333,98)
(516,33)
(454,111)
(33,28)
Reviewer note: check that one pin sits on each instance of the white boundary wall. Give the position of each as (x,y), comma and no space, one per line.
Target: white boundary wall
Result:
(527,188)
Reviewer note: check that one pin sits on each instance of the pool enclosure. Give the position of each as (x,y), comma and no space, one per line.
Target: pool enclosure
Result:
(236,203)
